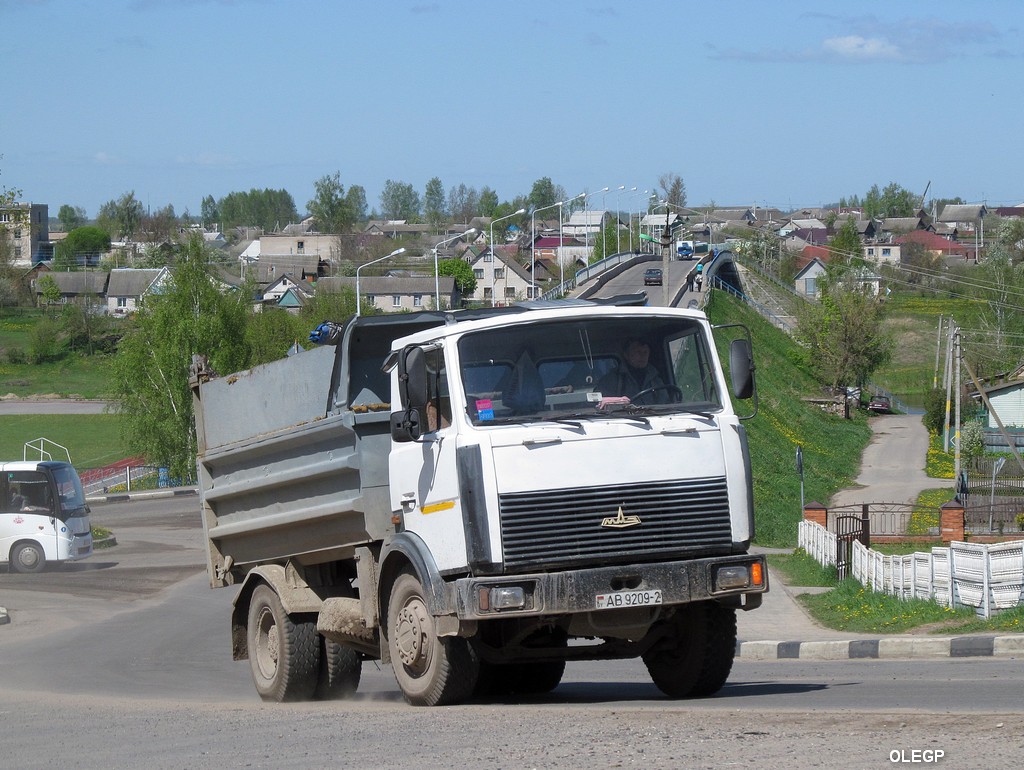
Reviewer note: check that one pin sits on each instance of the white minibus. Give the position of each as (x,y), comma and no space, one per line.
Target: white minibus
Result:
(43,515)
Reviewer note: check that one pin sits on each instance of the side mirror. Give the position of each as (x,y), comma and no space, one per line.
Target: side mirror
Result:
(412,378)
(406,426)
(741,368)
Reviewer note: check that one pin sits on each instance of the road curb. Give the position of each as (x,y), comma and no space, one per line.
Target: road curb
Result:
(123,497)
(884,649)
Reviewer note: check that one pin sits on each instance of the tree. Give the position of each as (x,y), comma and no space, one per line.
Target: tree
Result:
(188,316)
(842,336)
(399,201)
(544,193)
(673,189)
(355,198)
(434,208)
(70,217)
(81,244)
(209,211)
(270,334)
(49,291)
(160,226)
(121,217)
(463,203)
(605,242)
(460,270)
(488,203)
(329,206)
(266,209)
(846,244)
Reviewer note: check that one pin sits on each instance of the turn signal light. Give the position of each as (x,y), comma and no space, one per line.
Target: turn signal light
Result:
(756,576)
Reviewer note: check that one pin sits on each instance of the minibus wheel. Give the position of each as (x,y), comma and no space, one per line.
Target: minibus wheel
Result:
(27,557)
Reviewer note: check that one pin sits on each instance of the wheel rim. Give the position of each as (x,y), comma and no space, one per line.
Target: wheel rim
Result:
(413,634)
(29,558)
(267,650)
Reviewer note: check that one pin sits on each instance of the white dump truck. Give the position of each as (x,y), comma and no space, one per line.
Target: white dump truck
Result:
(478,497)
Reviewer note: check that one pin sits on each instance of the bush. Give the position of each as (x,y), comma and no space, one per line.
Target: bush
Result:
(43,345)
(15,355)
(935,410)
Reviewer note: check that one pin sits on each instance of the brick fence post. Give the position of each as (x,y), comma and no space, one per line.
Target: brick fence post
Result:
(951,521)
(817,513)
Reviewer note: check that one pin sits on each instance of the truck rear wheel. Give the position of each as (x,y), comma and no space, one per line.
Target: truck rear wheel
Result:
(695,659)
(284,655)
(430,670)
(340,670)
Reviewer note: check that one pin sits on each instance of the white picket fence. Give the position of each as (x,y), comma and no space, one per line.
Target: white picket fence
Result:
(987,578)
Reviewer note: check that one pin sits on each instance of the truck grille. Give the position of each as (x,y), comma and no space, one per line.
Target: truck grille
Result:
(563,526)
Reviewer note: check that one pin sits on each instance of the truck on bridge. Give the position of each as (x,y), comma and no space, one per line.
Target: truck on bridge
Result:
(474,497)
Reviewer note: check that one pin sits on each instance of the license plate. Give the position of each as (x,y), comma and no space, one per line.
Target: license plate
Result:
(628,599)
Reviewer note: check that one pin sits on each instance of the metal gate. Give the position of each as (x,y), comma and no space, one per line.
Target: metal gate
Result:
(849,529)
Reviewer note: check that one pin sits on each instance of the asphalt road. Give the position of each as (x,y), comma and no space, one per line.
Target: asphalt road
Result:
(51,406)
(124,659)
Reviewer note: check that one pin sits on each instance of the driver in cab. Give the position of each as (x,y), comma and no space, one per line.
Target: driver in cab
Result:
(634,375)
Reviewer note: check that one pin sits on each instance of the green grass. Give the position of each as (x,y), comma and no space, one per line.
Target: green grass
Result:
(799,569)
(832,446)
(852,607)
(94,440)
(73,375)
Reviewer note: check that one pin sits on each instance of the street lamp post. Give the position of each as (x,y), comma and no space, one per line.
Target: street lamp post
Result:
(561,240)
(586,218)
(632,193)
(437,275)
(533,244)
(618,245)
(493,221)
(394,253)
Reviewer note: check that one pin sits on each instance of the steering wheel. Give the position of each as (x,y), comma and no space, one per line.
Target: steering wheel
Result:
(673,389)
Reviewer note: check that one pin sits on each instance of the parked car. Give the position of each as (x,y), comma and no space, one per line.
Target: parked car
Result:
(880,405)
(652,277)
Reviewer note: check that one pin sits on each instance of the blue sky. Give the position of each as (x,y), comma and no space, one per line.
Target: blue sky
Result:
(782,104)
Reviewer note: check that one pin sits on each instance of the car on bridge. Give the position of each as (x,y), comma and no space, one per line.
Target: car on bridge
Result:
(652,277)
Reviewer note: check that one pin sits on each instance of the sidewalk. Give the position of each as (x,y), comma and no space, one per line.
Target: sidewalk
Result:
(891,471)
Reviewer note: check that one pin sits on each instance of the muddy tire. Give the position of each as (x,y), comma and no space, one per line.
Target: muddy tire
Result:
(284,655)
(695,659)
(340,670)
(27,558)
(430,670)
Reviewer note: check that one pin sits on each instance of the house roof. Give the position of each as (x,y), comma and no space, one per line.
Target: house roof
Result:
(813,264)
(553,242)
(271,266)
(79,282)
(131,282)
(933,242)
(965,212)
(902,224)
(586,217)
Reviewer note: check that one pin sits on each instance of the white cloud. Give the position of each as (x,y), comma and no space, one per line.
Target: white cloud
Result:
(861,48)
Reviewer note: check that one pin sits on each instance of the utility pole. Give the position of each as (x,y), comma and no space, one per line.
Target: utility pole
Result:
(948,384)
(959,357)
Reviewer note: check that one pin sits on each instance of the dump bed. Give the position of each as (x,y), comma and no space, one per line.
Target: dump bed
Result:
(293,455)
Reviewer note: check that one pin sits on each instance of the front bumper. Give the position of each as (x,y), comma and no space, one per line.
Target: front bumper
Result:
(572,591)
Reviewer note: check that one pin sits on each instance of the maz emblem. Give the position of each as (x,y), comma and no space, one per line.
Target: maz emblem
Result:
(619,521)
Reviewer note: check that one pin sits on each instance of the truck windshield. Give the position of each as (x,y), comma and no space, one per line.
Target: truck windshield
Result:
(560,369)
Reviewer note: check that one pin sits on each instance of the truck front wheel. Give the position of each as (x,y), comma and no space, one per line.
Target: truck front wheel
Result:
(695,657)
(430,670)
(284,655)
